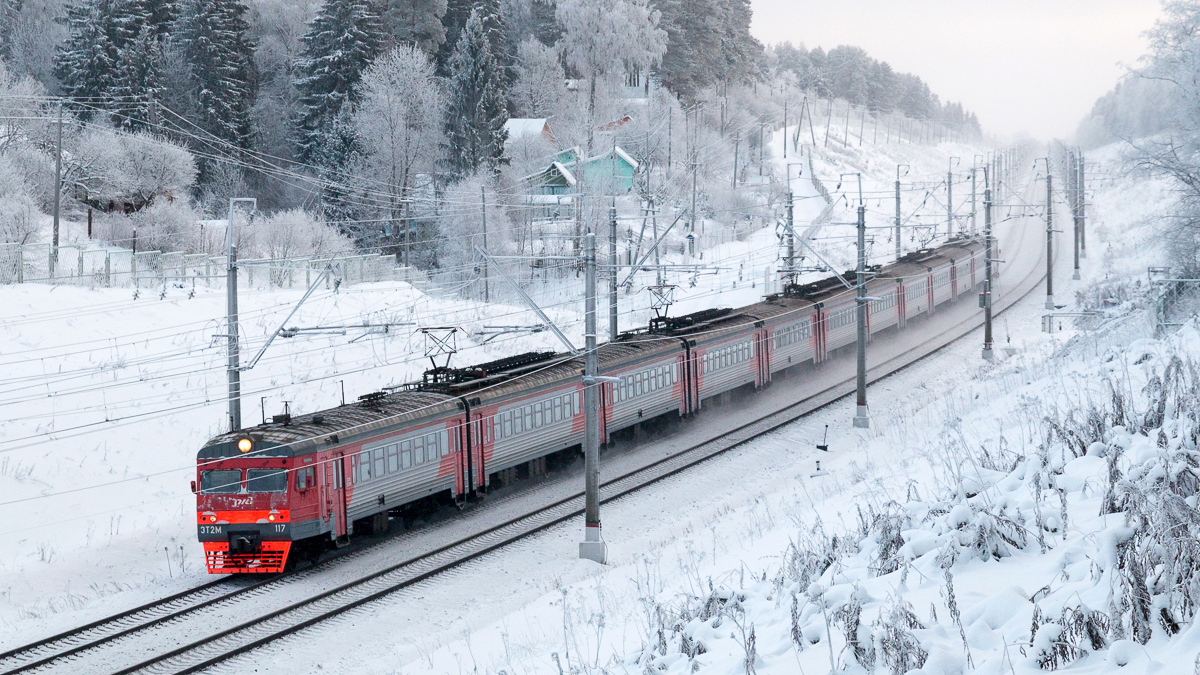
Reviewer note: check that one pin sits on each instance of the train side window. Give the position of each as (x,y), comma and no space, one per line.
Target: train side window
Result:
(305,478)
(537,414)
(558,409)
(578,403)
(364,466)
(377,469)
(393,455)
(406,458)
(527,413)
(508,425)
(419,450)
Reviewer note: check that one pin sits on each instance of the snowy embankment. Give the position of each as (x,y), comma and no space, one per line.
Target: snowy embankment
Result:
(1032,514)
(108,394)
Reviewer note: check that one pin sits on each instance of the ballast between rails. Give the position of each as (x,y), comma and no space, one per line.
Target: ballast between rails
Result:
(302,484)
(489,539)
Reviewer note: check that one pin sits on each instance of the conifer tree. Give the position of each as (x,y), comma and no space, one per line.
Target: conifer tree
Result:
(211,36)
(416,22)
(476,113)
(112,54)
(341,42)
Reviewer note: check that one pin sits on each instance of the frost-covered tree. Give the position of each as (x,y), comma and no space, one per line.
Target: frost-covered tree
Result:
(476,112)
(398,124)
(538,87)
(111,170)
(417,23)
(343,39)
(602,37)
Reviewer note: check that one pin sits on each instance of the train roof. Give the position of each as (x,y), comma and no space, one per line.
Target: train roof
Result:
(440,388)
(299,434)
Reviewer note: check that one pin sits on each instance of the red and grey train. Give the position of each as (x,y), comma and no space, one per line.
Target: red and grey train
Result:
(304,483)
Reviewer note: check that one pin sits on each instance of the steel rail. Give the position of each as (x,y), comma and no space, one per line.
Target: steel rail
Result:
(242,638)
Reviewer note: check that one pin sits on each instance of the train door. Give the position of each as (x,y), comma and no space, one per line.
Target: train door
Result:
(480,434)
(335,494)
(324,486)
(461,450)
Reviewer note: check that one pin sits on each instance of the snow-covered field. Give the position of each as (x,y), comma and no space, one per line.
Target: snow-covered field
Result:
(107,398)
(959,534)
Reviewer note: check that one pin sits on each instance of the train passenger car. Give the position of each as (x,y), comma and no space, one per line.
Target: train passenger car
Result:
(293,487)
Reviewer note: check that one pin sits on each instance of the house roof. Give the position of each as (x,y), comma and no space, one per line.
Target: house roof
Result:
(529,126)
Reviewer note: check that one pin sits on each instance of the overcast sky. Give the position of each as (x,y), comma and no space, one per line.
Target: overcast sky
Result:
(1021,65)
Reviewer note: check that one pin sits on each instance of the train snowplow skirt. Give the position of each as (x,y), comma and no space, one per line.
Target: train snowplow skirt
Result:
(270,559)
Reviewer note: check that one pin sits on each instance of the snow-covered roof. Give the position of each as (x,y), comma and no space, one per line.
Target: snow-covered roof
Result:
(570,177)
(529,126)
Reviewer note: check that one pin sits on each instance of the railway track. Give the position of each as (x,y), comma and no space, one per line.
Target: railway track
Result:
(70,650)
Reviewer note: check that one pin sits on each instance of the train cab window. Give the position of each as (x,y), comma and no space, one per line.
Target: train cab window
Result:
(305,478)
(266,480)
(221,481)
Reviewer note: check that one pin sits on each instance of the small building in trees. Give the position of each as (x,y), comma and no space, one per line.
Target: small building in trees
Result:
(610,172)
(520,127)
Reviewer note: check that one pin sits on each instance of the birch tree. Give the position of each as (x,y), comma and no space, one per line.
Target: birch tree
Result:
(398,123)
(603,37)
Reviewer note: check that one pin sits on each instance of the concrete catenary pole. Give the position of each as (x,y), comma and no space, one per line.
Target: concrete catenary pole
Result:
(613,329)
(1082,207)
(1049,239)
(483,210)
(988,255)
(57,191)
(862,419)
(791,240)
(949,202)
(233,371)
(592,547)
(1074,208)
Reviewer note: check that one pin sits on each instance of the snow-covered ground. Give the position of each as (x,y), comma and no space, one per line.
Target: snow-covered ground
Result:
(104,390)
(969,536)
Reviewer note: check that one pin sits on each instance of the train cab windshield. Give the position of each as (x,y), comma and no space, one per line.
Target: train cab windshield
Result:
(221,481)
(266,480)
(229,481)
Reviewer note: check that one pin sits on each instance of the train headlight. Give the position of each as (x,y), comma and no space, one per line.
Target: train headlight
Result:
(271,517)
(212,518)
(245,444)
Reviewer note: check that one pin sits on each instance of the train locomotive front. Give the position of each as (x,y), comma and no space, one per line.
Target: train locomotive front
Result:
(244,505)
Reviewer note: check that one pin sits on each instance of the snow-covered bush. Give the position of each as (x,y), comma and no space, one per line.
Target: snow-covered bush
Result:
(111,170)
(295,233)
(18,210)
(164,225)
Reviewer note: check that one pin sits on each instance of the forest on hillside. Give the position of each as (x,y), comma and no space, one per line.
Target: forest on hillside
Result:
(384,118)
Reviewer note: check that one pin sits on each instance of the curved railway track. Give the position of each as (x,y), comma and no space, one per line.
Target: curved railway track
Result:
(111,645)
